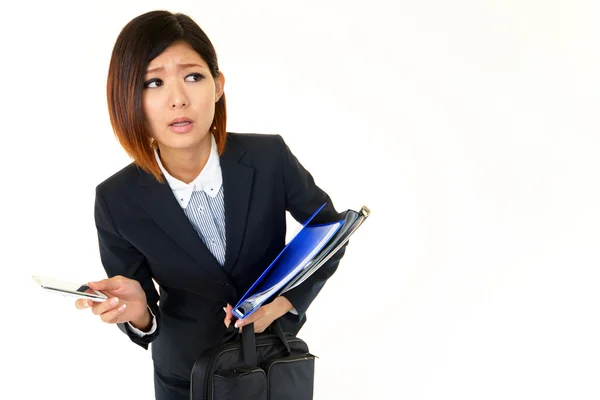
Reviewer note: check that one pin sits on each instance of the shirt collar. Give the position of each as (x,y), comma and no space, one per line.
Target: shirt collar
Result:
(209,180)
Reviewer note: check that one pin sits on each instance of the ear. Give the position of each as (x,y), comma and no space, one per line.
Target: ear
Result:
(219,86)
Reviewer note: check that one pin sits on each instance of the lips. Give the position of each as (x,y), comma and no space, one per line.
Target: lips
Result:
(180,121)
(181,125)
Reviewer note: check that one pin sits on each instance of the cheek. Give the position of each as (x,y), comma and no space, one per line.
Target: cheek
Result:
(150,105)
(204,98)
(206,107)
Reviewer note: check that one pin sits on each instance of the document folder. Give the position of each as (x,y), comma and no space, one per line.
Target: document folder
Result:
(305,253)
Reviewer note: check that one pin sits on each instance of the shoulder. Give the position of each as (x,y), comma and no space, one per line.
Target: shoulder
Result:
(121,180)
(253,142)
(258,150)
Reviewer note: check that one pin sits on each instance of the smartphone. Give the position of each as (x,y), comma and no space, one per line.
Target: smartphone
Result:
(69,289)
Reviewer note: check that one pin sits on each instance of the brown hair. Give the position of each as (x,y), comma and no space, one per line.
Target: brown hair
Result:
(140,41)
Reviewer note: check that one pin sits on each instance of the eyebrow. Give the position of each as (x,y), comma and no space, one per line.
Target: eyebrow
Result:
(180,66)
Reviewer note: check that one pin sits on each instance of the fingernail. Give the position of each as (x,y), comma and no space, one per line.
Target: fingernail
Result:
(225,309)
(114,301)
(122,308)
(237,323)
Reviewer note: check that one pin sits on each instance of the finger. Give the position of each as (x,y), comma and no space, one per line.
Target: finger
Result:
(106,284)
(112,316)
(81,304)
(101,308)
(227,319)
(228,312)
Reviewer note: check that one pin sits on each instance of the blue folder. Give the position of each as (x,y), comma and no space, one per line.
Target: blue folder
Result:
(290,262)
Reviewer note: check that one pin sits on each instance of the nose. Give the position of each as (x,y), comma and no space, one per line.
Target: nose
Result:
(178,97)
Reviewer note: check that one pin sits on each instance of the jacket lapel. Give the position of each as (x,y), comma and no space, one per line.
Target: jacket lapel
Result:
(237,185)
(158,201)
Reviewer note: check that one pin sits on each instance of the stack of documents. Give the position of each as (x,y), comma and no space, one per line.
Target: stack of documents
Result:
(306,252)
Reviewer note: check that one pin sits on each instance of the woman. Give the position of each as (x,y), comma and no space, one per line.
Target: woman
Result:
(200,211)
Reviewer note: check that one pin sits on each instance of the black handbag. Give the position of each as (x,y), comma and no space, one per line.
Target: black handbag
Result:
(273,365)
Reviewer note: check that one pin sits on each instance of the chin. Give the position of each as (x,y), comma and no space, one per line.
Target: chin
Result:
(183,141)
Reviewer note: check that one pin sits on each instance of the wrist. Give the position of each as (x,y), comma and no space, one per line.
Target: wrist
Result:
(143,323)
(283,304)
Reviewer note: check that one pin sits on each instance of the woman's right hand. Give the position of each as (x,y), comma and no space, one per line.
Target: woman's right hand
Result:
(127,302)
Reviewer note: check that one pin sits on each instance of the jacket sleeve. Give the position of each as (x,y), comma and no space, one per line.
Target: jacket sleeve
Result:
(119,257)
(303,198)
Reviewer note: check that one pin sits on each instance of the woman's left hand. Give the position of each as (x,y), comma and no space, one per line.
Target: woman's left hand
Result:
(263,317)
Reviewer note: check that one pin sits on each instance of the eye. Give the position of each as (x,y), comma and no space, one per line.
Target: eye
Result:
(194,77)
(155,82)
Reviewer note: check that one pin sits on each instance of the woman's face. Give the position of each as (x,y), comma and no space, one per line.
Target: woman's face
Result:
(178,85)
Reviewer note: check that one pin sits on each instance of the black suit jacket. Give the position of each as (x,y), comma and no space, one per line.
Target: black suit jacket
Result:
(144,235)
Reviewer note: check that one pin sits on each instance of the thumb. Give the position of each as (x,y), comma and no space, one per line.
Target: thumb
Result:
(81,304)
(250,318)
(105,284)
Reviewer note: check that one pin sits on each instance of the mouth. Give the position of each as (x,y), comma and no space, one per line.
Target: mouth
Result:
(181,125)
(184,123)
(180,122)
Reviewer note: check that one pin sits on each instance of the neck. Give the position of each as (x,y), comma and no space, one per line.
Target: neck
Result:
(186,164)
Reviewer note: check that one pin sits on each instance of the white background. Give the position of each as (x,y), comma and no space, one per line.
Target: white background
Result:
(469,127)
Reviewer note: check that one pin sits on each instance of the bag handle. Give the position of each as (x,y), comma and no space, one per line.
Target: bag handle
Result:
(249,341)
(276,325)
(249,345)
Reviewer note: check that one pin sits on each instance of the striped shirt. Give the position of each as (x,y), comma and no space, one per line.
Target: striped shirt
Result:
(207,215)
(202,202)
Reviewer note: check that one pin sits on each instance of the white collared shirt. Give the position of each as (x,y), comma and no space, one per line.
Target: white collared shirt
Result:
(209,180)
